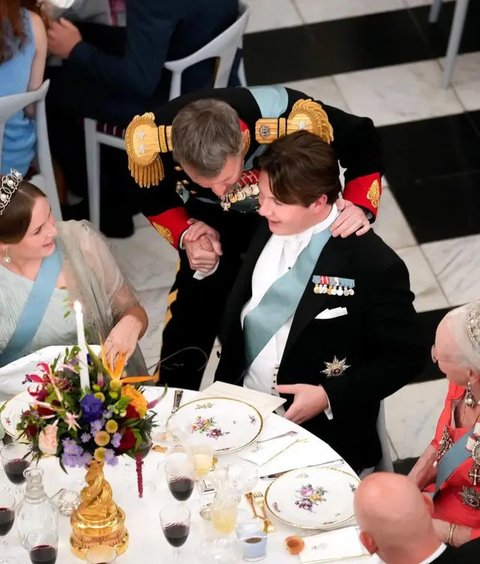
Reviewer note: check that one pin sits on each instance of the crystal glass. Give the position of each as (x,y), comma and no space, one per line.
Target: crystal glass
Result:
(242,476)
(180,471)
(175,521)
(16,459)
(42,546)
(7,516)
(202,454)
(101,555)
(35,508)
(220,550)
(223,512)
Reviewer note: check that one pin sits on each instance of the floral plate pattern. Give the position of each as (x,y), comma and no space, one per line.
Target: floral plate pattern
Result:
(228,424)
(313,498)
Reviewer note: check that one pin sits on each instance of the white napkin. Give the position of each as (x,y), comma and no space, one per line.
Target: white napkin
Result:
(260,453)
(332,546)
(265,403)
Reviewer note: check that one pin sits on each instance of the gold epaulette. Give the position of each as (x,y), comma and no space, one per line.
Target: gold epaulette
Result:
(144,143)
(305,114)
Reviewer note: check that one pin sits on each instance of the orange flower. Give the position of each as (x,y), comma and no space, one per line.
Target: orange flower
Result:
(136,399)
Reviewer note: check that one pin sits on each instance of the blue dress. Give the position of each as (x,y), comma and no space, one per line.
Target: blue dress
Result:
(19,139)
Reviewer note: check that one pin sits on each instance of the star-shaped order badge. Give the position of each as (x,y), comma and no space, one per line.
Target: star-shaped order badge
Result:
(336,367)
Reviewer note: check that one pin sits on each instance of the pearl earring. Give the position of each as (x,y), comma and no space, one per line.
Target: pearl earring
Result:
(7,259)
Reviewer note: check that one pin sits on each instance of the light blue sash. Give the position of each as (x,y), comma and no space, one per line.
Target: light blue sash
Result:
(273,102)
(281,299)
(34,309)
(451,460)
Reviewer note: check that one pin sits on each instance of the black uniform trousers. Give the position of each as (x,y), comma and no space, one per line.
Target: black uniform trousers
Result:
(198,305)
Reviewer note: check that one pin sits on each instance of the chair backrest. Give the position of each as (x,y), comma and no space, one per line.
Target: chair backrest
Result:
(223,47)
(10,105)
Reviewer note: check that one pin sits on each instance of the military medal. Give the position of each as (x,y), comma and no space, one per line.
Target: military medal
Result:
(333,285)
(470,497)
(473,445)
(336,367)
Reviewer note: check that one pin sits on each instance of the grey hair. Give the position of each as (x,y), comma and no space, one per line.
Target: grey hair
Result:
(460,322)
(204,134)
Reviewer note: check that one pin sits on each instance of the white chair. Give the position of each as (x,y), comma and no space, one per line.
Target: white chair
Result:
(10,105)
(456,31)
(385,464)
(223,48)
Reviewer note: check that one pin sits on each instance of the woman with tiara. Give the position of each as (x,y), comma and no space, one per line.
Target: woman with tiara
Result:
(450,466)
(45,266)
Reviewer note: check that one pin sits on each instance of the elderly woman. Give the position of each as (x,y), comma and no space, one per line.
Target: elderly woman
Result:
(45,266)
(450,466)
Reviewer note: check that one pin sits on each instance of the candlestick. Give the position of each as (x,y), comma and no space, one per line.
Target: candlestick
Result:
(82,355)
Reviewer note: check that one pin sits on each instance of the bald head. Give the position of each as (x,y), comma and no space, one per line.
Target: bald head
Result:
(394,517)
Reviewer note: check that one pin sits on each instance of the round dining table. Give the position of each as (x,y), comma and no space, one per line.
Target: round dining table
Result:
(146,541)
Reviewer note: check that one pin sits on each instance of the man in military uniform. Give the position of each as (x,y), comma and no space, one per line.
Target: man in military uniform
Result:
(193,160)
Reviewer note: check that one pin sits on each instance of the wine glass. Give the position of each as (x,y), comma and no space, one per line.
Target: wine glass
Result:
(7,516)
(15,460)
(202,454)
(180,471)
(175,521)
(242,476)
(42,546)
(101,555)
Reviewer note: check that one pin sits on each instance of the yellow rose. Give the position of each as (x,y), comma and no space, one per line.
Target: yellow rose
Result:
(102,438)
(136,399)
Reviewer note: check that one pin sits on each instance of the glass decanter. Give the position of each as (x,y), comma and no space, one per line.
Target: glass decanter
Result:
(36,509)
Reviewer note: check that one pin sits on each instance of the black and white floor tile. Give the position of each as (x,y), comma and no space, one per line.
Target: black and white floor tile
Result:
(379,58)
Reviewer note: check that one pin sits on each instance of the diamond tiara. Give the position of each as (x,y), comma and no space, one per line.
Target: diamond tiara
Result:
(10,184)
(473,325)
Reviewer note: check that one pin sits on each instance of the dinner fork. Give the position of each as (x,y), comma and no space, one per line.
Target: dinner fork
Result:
(267,524)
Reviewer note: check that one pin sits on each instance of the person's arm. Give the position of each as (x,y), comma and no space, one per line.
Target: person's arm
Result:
(39,58)
(424,472)
(460,535)
(150,25)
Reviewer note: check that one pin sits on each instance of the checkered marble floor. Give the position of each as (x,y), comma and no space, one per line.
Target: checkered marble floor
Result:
(379,58)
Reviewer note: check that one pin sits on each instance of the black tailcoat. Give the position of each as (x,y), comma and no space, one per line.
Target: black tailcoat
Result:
(379,338)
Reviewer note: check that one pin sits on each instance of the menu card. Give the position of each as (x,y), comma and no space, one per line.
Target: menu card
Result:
(333,546)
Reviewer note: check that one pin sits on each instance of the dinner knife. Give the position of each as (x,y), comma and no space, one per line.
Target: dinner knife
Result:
(335,462)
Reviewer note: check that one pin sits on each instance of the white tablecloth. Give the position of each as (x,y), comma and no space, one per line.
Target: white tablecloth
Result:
(146,537)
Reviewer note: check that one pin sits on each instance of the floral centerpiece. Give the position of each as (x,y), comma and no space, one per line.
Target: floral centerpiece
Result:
(88,427)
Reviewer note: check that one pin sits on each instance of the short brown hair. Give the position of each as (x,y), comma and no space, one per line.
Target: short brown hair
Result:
(16,218)
(204,134)
(301,168)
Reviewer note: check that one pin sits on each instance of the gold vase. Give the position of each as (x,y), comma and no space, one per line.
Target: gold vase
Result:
(98,519)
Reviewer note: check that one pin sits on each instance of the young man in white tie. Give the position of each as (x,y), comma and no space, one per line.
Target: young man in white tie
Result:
(327,322)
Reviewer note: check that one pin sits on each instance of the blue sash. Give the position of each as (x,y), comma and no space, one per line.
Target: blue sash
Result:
(273,102)
(34,309)
(281,300)
(451,460)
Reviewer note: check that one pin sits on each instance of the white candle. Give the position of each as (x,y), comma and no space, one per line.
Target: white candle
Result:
(82,355)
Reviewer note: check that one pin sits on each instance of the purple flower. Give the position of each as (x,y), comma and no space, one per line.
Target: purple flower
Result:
(85,437)
(110,457)
(96,426)
(115,441)
(92,407)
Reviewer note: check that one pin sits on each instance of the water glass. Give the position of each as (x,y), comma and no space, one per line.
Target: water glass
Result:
(223,512)
(42,546)
(218,550)
(101,555)
(202,454)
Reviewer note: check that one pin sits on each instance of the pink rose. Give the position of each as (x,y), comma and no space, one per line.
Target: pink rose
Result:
(47,439)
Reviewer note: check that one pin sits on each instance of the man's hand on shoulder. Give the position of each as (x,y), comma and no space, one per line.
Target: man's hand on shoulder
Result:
(62,38)
(308,401)
(352,219)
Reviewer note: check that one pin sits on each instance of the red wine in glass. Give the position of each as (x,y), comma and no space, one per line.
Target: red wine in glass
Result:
(176,534)
(7,517)
(14,470)
(181,487)
(43,554)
